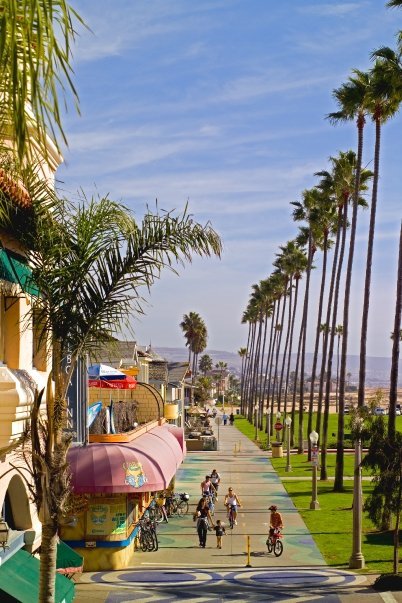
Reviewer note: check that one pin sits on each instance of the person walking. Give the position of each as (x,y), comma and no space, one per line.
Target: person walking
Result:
(219,531)
(225,418)
(203,518)
(231,418)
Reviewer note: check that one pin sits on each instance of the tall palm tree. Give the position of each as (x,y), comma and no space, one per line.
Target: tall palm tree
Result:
(338,182)
(393,388)
(90,264)
(35,67)
(206,364)
(384,99)
(339,334)
(352,98)
(243,355)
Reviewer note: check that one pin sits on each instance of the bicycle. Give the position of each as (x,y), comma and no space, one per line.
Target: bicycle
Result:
(182,503)
(274,542)
(147,535)
(155,511)
(231,517)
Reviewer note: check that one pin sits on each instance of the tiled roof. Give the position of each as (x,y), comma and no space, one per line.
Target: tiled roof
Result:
(177,371)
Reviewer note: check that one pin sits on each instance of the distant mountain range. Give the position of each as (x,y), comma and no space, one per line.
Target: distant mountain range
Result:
(378,367)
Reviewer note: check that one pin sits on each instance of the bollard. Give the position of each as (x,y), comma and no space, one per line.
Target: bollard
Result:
(248,564)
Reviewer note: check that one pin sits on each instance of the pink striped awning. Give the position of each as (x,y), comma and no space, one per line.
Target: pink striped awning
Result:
(146,464)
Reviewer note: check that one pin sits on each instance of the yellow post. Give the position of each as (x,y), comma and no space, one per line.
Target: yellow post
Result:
(248,552)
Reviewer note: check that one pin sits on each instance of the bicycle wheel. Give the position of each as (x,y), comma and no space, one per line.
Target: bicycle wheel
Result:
(278,548)
(269,545)
(151,513)
(143,541)
(158,515)
(155,540)
(175,505)
(149,540)
(182,507)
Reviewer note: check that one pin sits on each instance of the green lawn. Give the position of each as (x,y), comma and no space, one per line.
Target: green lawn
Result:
(301,467)
(331,526)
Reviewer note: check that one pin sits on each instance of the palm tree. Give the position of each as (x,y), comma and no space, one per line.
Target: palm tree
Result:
(384,99)
(339,334)
(352,98)
(90,264)
(243,355)
(396,338)
(35,66)
(221,366)
(338,182)
(205,364)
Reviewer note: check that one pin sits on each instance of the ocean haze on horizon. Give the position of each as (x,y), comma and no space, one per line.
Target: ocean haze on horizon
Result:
(222,104)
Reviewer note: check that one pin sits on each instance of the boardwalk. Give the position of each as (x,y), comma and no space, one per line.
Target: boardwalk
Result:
(180,570)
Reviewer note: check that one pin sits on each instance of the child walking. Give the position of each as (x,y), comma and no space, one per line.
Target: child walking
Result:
(219,531)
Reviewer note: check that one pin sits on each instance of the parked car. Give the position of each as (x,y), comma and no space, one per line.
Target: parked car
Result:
(398,412)
(346,409)
(378,411)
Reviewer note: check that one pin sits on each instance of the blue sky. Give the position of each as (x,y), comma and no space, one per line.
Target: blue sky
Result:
(222,103)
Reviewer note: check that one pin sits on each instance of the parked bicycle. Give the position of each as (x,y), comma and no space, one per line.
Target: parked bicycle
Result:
(177,504)
(274,542)
(147,536)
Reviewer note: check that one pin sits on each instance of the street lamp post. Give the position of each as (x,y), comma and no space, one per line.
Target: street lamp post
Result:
(288,423)
(278,420)
(356,560)
(314,504)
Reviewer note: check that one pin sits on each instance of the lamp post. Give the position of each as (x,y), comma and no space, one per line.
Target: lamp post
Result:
(356,560)
(256,421)
(314,504)
(278,420)
(288,423)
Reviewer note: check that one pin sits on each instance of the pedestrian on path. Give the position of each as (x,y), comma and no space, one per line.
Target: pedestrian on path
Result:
(231,418)
(204,519)
(225,418)
(219,531)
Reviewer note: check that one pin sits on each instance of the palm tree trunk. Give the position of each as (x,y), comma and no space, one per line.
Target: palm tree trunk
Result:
(393,388)
(270,399)
(277,352)
(303,348)
(327,321)
(317,342)
(369,262)
(291,344)
(268,361)
(324,439)
(285,351)
(47,580)
(338,483)
(299,347)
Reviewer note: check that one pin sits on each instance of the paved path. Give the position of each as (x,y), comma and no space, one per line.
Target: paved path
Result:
(181,570)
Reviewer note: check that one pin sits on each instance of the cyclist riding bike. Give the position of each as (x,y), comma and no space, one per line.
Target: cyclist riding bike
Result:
(215,479)
(232,501)
(275,520)
(207,487)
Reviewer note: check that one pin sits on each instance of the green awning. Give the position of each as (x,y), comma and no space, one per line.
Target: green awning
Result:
(19,581)
(14,269)
(68,561)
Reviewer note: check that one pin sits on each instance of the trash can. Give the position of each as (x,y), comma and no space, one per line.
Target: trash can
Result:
(277,450)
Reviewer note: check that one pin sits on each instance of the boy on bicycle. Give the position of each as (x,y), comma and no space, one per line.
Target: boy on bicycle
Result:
(275,520)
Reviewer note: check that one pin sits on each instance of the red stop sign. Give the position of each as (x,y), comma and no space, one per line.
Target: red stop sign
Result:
(278,426)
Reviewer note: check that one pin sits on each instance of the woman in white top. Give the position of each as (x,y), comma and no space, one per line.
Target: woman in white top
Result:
(231,500)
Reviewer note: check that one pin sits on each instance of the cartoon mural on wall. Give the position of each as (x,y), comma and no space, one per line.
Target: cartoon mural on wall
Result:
(135,475)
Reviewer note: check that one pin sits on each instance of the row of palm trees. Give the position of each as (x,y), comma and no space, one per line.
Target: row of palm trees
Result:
(278,315)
